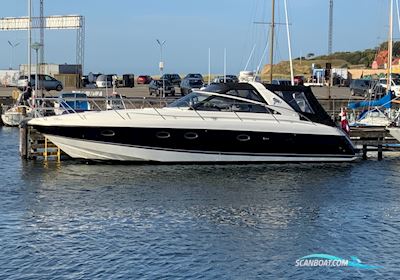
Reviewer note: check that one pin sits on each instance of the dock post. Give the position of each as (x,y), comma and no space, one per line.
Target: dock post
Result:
(45,149)
(23,140)
(364,152)
(380,153)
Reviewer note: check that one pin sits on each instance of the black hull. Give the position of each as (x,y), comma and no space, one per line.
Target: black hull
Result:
(246,143)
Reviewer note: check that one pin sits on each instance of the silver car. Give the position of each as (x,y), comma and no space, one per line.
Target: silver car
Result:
(45,82)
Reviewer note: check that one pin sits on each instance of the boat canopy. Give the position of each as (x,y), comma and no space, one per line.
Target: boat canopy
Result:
(303,101)
(385,102)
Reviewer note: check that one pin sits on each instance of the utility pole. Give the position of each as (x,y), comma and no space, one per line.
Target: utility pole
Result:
(330,43)
(42,26)
(41,48)
(330,40)
(161,65)
(271,50)
(29,39)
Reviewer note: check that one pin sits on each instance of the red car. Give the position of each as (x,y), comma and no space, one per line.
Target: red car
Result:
(144,79)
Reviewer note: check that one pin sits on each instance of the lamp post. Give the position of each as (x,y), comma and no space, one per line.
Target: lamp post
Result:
(161,64)
(13,46)
(36,46)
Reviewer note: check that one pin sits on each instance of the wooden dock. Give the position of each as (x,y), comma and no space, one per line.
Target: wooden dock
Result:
(34,146)
(373,139)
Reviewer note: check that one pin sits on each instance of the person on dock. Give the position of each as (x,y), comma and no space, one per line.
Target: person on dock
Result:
(27,94)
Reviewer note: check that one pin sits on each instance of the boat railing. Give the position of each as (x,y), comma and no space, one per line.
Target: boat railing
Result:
(45,107)
(271,111)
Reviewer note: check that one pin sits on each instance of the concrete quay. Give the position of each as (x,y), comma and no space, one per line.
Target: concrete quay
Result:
(142,90)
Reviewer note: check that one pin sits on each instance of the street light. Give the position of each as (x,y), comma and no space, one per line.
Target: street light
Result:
(13,46)
(161,64)
(36,46)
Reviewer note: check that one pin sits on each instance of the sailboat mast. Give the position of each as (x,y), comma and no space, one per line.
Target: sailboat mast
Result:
(390,47)
(29,38)
(289,44)
(271,51)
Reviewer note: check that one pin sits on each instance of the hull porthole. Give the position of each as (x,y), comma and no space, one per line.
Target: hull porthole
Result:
(163,135)
(191,135)
(243,137)
(107,133)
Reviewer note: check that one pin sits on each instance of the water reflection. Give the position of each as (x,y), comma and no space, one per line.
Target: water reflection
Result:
(187,221)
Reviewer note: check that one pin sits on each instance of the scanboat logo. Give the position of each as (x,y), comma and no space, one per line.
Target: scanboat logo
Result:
(318,260)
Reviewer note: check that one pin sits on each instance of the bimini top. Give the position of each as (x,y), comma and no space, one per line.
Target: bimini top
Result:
(299,98)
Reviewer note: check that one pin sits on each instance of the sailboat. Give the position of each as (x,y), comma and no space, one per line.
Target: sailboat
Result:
(16,114)
(378,112)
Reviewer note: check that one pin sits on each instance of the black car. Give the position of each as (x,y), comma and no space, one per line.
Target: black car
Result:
(366,88)
(156,87)
(188,84)
(360,87)
(234,78)
(194,76)
(174,79)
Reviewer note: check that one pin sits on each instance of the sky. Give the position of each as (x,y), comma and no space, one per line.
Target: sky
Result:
(121,34)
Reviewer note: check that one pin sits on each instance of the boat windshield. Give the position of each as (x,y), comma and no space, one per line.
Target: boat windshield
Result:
(201,101)
(189,100)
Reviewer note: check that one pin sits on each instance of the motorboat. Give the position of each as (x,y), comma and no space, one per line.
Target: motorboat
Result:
(233,122)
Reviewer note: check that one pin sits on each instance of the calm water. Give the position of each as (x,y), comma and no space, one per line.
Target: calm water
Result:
(78,221)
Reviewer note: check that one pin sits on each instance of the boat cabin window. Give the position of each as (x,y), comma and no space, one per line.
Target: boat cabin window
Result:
(218,103)
(297,100)
(246,93)
(189,100)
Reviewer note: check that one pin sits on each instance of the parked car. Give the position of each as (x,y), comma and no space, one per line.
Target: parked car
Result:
(46,82)
(234,78)
(395,85)
(156,87)
(104,81)
(194,76)
(360,87)
(222,79)
(144,79)
(282,82)
(188,84)
(174,79)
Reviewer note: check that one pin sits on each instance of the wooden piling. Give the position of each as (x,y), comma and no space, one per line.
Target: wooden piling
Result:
(23,140)
(364,152)
(23,136)
(380,153)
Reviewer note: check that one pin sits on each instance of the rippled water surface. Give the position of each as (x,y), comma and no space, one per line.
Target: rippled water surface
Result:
(99,221)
